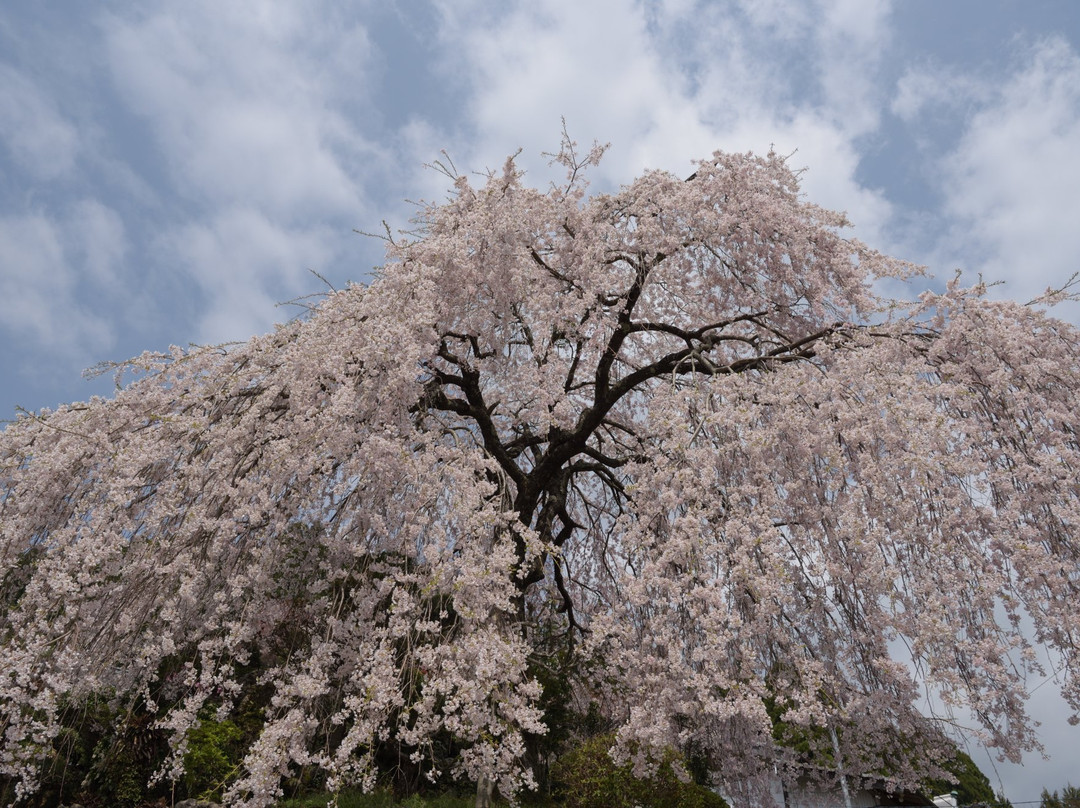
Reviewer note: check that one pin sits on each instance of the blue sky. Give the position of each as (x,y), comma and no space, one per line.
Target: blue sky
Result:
(169,173)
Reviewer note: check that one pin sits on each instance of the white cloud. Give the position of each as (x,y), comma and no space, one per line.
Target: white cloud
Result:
(39,138)
(257,111)
(923,88)
(241,260)
(246,101)
(97,235)
(782,19)
(665,87)
(1011,182)
(40,283)
(593,64)
(851,35)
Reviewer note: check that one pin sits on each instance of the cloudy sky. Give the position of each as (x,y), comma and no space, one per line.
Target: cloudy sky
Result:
(170,173)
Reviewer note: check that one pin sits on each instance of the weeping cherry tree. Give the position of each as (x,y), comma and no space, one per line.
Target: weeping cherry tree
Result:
(671,432)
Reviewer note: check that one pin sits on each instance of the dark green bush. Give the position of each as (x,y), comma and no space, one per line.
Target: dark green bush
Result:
(129,748)
(586,777)
(215,749)
(967,780)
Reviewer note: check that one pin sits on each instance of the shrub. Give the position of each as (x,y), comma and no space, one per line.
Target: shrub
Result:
(213,756)
(586,777)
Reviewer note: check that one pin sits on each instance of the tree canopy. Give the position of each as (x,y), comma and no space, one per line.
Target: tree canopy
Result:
(1069,798)
(670,434)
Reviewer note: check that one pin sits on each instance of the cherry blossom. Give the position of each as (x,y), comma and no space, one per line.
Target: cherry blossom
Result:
(671,430)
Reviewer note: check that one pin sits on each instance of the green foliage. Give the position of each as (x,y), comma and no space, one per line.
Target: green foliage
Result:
(14,581)
(586,777)
(555,674)
(439,801)
(105,752)
(555,677)
(382,798)
(346,799)
(108,748)
(215,749)
(128,750)
(811,743)
(967,780)
(1069,798)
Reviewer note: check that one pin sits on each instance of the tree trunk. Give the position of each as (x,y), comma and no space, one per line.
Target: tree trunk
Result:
(485,788)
